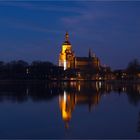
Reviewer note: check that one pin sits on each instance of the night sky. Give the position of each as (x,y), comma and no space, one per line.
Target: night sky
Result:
(35,30)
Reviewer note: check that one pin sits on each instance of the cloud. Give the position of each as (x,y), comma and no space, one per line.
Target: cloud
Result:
(52,6)
(26,25)
(87,20)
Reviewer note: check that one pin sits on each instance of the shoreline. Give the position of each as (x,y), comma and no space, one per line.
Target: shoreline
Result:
(11,81)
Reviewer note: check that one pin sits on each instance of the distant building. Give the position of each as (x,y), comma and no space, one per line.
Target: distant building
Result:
(91,61)
(67,58)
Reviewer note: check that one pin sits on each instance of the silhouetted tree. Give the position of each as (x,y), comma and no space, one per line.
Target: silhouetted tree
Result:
(134,66)
(133,69)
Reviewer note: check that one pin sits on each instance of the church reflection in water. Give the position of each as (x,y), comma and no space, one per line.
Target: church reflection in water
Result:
(70,94)
(89,94)
(80,94)
(67,103)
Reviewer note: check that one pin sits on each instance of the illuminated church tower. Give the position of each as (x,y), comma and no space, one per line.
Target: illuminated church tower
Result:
(66,56)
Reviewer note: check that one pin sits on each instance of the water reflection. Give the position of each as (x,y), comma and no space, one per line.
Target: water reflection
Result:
(80,92)
(66,104)
(70,94)
(69,100)
(21,92)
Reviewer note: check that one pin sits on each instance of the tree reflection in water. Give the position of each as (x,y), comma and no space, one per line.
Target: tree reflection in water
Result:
(71,94)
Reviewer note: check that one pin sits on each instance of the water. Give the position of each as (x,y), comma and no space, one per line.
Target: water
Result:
(69,110)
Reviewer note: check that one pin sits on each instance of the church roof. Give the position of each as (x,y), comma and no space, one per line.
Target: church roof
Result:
(66,39)
(85,58)
(66,43)
(82,58)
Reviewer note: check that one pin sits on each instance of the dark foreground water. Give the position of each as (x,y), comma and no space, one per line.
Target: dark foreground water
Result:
(69,110)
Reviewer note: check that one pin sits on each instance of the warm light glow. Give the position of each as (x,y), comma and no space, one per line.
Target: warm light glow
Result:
(100,84)
(100,78)
(66,47)
(66,115)
(79,87)
(97,87)
(65,98)
(65,65)
(65,106)
(66,54)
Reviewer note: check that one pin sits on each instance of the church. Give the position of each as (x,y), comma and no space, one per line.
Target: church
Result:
(68,59)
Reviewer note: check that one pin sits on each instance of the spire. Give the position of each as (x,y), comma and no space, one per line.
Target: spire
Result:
(90,53)
(66,36)
(66,39)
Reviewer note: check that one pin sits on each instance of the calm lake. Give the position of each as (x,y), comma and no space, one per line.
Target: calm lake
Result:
(69,110)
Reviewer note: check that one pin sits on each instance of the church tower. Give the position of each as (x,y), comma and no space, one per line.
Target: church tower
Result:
(66,56)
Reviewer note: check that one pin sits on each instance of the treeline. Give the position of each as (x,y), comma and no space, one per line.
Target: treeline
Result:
(44,70)
(23,70)
(132,71)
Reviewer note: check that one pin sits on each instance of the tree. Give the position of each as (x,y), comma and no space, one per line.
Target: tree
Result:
(133,69)
(133,66)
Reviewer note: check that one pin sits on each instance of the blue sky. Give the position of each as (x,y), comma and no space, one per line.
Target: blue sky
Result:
(35,30)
